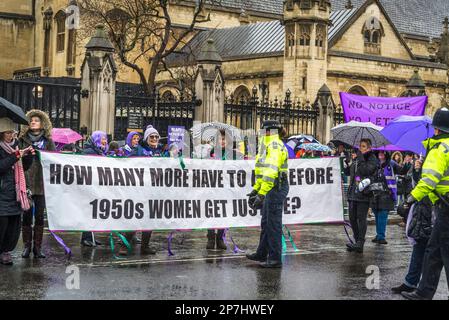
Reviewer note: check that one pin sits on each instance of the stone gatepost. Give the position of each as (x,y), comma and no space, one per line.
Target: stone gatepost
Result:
(325,105)
(98,76)
(209,85)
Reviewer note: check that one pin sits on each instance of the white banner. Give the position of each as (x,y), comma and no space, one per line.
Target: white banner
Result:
(124,194)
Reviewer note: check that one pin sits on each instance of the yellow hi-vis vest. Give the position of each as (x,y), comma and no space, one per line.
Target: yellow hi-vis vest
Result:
(271,160)
(435,170)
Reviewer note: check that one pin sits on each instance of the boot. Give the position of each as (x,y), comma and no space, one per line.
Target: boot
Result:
(145,246)
(6,259)
(219,240)
(27,236)
(210,239)
(37,242)
(358,247)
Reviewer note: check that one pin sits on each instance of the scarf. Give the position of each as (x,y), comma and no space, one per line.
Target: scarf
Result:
(37,140)
(19,177)
(391,181)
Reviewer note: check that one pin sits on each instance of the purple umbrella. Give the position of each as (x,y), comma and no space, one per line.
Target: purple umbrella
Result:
(408,132)
(65,136)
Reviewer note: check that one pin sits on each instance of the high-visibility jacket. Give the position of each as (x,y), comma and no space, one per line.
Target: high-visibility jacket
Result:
(271,160)
(435,170)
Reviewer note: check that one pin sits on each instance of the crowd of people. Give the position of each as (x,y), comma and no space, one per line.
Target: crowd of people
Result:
(380,181)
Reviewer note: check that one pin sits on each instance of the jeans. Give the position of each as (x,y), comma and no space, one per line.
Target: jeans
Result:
(358,214)
(436,256)
(270,243)
(381,223)
(9,232)
(416,261)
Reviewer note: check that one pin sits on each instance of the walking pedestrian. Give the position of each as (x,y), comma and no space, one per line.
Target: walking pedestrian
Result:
(96,144)
(435,185)
(364,166)
(269,194)
(13,192)
(38,136)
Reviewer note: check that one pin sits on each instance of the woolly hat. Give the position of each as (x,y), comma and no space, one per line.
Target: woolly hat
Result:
(149,131)
(7,124)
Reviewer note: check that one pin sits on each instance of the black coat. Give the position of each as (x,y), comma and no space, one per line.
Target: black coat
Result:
(420,227)
(364,166)
(8,197)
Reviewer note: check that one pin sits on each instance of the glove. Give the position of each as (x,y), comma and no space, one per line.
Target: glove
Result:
(252,197)
(258,202)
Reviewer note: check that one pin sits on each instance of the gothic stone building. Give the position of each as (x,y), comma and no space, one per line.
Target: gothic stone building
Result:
(368,47)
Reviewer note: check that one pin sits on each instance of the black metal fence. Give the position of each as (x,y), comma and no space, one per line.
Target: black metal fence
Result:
(297,118)
(60,101)
(151,111)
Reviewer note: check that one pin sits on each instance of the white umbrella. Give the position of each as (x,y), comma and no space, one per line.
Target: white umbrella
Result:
(208,131)
(354,131)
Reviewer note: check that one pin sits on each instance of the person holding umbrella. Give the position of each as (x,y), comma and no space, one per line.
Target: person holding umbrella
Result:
(38,136)
(13,195)
(364,166)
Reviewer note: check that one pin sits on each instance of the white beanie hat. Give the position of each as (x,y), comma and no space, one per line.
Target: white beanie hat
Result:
(149,131)
(7,124)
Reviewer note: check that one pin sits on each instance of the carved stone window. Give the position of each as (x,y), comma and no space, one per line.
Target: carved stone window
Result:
(60,31)
(320,40)
(304,40)
(372,35)
(306,4)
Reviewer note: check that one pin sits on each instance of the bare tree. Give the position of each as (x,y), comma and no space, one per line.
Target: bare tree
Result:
(142,32)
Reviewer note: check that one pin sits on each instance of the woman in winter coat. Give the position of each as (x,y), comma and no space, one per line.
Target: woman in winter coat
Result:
(97,144)
(38,136)
(148,147)
(364,166)
(132,144)
(383,202)
(13,190)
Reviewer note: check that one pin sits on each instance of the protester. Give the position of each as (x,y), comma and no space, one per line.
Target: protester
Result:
(397,157)
(97,145)
(148,147)
(114,150)
(269,194)
(383,201)
(364,166)
(419,231)
(132,143)
(38,136)
(12,179)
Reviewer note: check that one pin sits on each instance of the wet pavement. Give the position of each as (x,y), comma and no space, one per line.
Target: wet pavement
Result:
(320,269)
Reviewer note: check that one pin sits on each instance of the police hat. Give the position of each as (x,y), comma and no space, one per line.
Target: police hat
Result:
(441,119)
(271,124)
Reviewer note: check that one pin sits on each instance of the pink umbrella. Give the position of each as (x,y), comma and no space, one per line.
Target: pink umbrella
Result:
(65,136)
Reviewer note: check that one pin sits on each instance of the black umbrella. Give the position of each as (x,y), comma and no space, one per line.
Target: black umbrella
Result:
(13,112)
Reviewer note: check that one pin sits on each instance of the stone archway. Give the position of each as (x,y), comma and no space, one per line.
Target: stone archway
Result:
(242,93)
(358,90)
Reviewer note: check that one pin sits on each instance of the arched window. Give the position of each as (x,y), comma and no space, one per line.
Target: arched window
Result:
(168,96)
(372,35)
(358,90)
(241,94)
(60,31)
(304,40)
(320,40)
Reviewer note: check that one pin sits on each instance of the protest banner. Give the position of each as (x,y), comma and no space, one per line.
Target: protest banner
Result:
(176,135)
(124,194)
(380,110)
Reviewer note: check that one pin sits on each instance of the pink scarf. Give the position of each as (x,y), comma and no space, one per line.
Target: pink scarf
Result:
(19,175)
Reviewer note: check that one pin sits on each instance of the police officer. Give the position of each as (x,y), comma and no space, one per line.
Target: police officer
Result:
(435,184)
(269,194)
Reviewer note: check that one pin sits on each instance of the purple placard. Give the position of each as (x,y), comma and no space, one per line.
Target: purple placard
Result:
(379,110)
(176,135)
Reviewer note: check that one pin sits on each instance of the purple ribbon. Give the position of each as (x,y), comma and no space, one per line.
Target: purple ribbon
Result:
(169,240)
(347,225)
(67,250)
(236,248)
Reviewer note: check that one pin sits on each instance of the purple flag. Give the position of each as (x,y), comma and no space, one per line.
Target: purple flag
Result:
(379,110)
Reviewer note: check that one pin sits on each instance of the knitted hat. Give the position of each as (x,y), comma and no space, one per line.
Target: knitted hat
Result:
(149,131)
(7,124)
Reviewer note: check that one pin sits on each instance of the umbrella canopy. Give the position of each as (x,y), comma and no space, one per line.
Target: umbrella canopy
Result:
(408,132)
(65,135)
(208,131)
(315,147)
(13,112)
(303,138)
(354,131)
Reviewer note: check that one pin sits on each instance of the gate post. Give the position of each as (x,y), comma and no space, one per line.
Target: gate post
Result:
(209,84)
(326,106)
(98,76)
